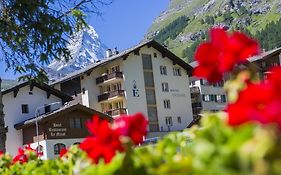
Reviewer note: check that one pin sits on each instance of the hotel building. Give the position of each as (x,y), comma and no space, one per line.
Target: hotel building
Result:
(147,78)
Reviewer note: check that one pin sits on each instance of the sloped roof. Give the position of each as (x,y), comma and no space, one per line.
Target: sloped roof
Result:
(265,55)
(43,86)
(124,54)
(56,113)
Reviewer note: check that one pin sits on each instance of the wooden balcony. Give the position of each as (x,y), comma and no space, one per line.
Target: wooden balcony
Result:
(106,96)
(113,75)
(116,112)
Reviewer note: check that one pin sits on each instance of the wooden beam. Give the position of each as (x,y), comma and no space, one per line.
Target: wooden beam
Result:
(137,52)
(89,73)
(31,86)
(16,92)
(48,94)
(125,57)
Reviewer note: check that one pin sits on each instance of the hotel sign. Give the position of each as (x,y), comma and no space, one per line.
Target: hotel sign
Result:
(176,93)
(57,130)
(135,89)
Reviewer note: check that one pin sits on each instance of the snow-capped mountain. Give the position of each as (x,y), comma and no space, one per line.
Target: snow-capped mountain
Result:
(85,48)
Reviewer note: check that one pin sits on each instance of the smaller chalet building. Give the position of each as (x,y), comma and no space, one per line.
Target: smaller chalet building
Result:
(20,103)
(58,129)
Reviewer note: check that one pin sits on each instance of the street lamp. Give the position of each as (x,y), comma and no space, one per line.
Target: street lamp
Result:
(37,114)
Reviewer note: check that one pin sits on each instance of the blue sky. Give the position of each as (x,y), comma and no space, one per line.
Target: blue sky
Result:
(122,24)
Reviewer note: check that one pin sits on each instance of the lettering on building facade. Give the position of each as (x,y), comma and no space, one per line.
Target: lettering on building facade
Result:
(176,93)
(135,89)
(57,130)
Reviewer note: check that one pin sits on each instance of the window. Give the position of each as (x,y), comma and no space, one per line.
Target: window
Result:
(148,79)
(165,87)
(117,86)
(146,61)
(223,97)
(212,97)
(39,150)
(115,68)
(153,127)
(167,104)
(155,55)
(75,122)
(193,82)
(218,98)
(150,96)
(108,88)
(24,108)
(58,147)
(152,114)
(179,119)
(163,70)
(177,71)
(47,108)
(206,97)
(119,105)
(169,121)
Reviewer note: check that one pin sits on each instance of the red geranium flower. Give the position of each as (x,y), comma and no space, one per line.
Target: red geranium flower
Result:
(133,126)
(104,143)
(222,52)
(21,157)
(63,151)
(258,102)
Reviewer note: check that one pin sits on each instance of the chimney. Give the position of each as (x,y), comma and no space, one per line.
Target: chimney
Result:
(3,130)
(116,51)
(108,53)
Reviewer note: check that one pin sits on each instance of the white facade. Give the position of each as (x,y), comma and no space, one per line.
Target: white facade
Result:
(208,97)
(48,146)
(13,112)
(128,93)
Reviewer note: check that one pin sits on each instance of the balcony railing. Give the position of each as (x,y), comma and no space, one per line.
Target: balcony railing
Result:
(106,77)
(115,112)
(106,96)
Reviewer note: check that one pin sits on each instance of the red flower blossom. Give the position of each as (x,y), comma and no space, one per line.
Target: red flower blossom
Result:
(104,143)
(222,52)
(24,154)
(258,102)
(1,153)
(133,126)
(21,157)
(63,152)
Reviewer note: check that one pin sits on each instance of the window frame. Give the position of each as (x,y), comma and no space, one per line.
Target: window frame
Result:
(177,71)
(59,146)
(169,121)
(167,104)
(165,87)
(163,70)
(24,108)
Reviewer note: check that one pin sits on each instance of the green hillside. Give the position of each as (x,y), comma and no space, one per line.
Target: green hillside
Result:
(256,17)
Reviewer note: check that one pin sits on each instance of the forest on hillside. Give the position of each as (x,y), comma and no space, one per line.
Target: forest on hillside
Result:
(269,37)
